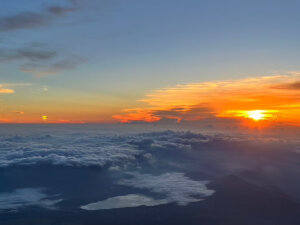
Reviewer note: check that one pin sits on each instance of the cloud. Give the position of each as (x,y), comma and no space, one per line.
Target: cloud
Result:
(169,167)
(292,86)
(40,60)
(36,58)
(19,198)
(23,20)
(18,112)
(58,10)
(124,201)
(179,162)
(86,150)
(4,90)
(30,53)
(176,186)
(18,84)
(42,69)
(29,20)
(68,150)
(124,152)
(221,99)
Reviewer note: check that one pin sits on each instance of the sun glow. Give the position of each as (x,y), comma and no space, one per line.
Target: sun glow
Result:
(255,115)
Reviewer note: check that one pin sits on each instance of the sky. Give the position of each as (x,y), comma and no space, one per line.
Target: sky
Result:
(110,61)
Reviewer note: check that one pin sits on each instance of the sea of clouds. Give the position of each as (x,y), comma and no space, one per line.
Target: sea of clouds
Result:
(162,162)
(118,151)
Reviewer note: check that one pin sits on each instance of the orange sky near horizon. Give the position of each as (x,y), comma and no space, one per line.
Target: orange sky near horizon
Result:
(275,99)
(269,99)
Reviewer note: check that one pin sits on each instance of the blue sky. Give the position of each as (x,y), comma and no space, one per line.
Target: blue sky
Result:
(116,51)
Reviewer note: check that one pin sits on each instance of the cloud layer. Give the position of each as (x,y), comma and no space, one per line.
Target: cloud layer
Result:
(65,151)
(150,168)
(122,151)
(12,201)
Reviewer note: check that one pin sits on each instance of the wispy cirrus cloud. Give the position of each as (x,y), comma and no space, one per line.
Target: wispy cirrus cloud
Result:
(222,99)
(58,10)
(29,20)
(40,69)
(18,112)
(27,53)
(39,59)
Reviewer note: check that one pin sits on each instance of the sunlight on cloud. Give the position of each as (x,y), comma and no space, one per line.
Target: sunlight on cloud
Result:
(270,98)
(254,114)
(6,90)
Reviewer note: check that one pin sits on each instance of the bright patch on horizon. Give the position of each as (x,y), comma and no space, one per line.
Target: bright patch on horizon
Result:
(44,117)
(272,98)
(256,115)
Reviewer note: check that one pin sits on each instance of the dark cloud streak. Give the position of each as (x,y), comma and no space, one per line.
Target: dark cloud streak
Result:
(29,20)
(39,60)
(24,20)
(42,69)
(26,53)
(57,10)
(291,86)
(33,58)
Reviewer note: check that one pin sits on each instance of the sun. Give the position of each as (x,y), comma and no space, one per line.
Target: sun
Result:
(257,115)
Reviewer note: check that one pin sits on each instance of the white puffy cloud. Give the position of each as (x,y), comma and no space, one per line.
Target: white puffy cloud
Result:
(176,186)
(12,201)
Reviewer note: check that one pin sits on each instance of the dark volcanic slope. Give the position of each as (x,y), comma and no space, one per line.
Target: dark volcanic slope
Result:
(241,202)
